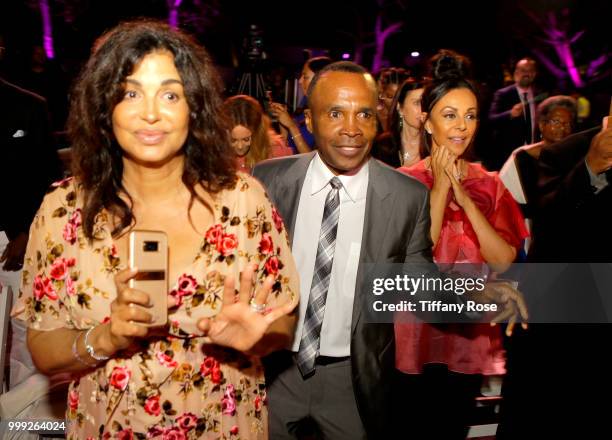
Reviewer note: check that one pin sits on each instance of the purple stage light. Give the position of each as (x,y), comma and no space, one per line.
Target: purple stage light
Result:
(47,29)
(415,54)
(346,56)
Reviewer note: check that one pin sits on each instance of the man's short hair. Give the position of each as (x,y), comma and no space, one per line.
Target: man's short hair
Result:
(338,66)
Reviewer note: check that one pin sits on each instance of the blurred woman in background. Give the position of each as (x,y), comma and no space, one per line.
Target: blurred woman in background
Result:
(399,144)
(388,82)
(299,139)
(251,136)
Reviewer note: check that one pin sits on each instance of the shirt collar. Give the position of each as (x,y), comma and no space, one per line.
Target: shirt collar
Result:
(355,186)
(521,90)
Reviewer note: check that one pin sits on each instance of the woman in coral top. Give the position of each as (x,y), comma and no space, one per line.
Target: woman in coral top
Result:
(474,219)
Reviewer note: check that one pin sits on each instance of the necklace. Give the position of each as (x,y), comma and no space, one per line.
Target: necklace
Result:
(407,155)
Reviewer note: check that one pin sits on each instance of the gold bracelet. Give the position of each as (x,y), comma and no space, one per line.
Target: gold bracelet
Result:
(75,351)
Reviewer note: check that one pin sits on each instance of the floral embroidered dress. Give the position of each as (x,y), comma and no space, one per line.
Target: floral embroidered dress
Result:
(467,348)
(173,387)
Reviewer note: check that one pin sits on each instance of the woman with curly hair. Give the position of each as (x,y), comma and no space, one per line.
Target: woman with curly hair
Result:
(152,153)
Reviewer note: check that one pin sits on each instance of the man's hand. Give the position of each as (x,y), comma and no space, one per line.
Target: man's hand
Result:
(512,302)
(599,156)
(517,110)
(14,252)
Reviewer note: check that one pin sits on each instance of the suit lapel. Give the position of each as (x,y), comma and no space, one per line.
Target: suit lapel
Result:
(290,188)
(379,205)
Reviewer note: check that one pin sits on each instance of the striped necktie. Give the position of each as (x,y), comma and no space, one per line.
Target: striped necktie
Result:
(315,310)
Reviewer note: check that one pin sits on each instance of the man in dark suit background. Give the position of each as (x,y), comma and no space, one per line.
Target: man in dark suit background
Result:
(556,375)
(29,166)
(513,114)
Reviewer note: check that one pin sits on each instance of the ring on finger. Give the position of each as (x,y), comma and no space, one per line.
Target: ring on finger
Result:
(258,308)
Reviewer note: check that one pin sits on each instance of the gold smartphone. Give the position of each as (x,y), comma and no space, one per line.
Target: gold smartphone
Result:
(149,253)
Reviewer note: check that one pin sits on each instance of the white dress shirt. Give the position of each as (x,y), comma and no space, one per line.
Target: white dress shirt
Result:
(336,328)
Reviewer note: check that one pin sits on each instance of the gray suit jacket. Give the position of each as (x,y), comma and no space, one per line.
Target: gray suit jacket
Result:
(396,230)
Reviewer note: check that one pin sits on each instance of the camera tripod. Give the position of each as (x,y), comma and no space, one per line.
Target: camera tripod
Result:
(252,82)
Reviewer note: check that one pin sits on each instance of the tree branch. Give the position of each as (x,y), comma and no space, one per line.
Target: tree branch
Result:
(559,73)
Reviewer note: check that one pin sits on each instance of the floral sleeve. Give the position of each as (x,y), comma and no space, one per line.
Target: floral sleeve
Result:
(272,253)
(49,265)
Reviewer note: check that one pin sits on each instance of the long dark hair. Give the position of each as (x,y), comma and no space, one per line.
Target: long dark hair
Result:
(393,122)
(388,144)
(449,71)
(97,158)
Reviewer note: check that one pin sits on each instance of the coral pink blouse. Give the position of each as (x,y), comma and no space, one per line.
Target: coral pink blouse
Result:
(464,348)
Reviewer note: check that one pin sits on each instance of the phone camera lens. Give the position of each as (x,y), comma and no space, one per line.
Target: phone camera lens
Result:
(150,246)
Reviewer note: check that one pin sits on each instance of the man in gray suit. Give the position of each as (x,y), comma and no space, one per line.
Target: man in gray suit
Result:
(343,209)
(384,217)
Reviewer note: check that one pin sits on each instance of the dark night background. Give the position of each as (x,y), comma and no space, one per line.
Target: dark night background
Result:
(495,34)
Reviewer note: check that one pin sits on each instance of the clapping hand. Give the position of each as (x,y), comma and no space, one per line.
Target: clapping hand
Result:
(442,161)
(453,174)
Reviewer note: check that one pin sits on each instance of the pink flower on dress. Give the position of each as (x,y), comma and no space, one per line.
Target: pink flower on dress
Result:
(70,233)
(173,433)
(44,287)
(73,399)
(75,218)
(59,269)
(154,432)
(61,182)
(216,375)
(259,401)
(208,364)
(70,287)
(125,434)
(277,219)
(234,430)
(227,244)
(266,246)
(272,266)
(120,378)
(152,406)
(213,234)
(228,403)
(187,285)
(187,421)
(165,360)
